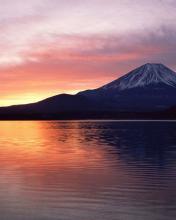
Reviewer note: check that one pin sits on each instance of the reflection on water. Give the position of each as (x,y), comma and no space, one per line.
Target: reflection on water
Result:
(87,170)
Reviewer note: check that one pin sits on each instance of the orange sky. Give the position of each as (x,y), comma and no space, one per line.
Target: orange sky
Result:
(49,47)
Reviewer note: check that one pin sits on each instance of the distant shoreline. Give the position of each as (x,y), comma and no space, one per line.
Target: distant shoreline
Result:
(118,116)
(92,120)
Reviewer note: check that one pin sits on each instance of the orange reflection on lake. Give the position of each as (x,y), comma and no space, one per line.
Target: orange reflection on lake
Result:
(79,169)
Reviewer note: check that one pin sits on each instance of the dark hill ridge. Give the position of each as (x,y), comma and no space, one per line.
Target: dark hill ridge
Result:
(148,90)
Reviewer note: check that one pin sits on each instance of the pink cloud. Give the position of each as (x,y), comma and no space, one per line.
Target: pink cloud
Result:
(52,46)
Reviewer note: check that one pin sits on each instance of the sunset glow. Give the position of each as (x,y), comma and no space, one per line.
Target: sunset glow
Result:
(51,47)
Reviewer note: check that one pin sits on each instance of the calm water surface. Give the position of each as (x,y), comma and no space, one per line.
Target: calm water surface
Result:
(87,170)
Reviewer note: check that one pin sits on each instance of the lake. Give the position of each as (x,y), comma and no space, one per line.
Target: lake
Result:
(87,170)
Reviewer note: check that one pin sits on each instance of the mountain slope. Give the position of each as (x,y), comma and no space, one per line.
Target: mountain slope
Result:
(58,103)
(150,87)
(148,74)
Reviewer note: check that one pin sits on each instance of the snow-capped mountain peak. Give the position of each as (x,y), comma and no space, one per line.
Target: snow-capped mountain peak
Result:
(148,74)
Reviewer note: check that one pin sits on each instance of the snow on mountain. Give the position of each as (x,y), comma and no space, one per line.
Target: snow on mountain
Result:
(148,74)
(148,88)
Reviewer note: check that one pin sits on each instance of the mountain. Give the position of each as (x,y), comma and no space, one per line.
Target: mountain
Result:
(148,74)
(146,92)
(151,87)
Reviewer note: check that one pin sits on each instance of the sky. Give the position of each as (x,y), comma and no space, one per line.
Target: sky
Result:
(48,47)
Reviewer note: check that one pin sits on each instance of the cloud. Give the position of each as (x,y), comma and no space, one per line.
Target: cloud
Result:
(27,23)
(52,46)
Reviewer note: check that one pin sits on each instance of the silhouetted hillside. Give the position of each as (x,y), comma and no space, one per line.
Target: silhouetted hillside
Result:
(148,92)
